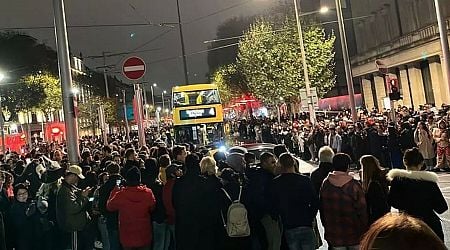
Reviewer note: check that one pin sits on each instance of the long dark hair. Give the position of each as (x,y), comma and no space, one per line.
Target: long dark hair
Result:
(425,127)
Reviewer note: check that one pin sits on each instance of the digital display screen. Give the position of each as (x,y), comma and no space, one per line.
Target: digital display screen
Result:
(197,113)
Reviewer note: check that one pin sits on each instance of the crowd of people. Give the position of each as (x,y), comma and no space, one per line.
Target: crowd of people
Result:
(163,196)
(122,196)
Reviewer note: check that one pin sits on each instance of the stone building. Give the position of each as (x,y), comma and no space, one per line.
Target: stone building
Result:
(404,35)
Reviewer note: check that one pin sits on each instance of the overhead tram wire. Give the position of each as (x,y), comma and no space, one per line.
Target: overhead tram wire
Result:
(218,12)
(280,30)
(82,26)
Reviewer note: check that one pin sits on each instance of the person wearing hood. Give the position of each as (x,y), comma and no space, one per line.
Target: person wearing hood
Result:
(319,174)
(134,204)
(343,209)
(416,192)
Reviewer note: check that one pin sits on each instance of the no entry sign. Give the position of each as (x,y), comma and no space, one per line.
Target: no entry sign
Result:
(133,68)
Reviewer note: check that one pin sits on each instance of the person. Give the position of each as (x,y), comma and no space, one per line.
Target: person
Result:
(230,182)
(375,186)
(416,192)
(399,231)
(4,207)
(22,219)
(179,156)
(171,174)
(343,209)
(406,137)
(295,201)
(443,152)
(134,203)
(72,207)
(112,221)
(319,174)
(259,206)
(164,162)
(424,141)
(211,230)
(236,161)
(189,206)
(334,140)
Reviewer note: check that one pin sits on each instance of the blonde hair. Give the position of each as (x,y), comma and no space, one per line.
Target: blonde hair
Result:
(208,166)
(398,231)
(326,154)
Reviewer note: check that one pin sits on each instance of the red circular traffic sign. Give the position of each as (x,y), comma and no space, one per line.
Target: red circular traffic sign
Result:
(133,68)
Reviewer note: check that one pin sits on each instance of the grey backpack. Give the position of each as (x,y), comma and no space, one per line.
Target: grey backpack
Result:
(237,221)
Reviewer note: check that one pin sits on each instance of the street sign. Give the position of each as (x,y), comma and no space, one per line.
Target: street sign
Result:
(314,99)
(133,68)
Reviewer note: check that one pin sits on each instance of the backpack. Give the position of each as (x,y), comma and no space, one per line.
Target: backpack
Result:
(237,221)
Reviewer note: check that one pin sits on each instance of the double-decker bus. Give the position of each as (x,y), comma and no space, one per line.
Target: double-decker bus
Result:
(197,114)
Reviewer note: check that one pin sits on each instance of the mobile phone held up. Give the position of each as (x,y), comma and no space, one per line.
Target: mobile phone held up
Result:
(118,182)
(91,199)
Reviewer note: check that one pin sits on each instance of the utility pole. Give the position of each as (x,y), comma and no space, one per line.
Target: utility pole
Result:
(66,84)
(104,75)
(183,50)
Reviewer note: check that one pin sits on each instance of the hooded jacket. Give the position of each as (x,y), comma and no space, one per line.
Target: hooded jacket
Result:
(134,205)
(417,193)
(343,209)
(71,208)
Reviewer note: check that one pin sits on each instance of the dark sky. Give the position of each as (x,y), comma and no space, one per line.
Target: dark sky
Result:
(92,41)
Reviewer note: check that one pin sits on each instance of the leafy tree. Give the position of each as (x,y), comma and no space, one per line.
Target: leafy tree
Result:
(230,81)
(52,96)
(270,59)
(88,112)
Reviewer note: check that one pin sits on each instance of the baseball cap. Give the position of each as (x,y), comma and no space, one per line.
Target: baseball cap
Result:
(74,169)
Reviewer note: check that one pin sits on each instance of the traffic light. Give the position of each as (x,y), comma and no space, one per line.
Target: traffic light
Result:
(394,94)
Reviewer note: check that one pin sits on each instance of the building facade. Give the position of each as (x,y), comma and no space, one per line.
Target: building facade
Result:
(404,36)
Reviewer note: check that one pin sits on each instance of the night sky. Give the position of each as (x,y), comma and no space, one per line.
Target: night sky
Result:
(92,41)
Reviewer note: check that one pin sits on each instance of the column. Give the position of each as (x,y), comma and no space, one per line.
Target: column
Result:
(367,93)
(440,88)
(418,93)
(405,88)
(380,90)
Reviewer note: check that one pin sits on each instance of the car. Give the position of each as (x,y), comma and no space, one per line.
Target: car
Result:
(258,148)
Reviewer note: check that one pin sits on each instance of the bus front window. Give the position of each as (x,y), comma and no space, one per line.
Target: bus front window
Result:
(192,98)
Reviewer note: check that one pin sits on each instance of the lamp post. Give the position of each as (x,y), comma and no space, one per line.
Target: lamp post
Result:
(162,96)
(153,93)
(347,65)
(183,50)
(2,76)
(312,114)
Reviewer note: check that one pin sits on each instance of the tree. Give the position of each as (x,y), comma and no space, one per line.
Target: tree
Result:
(230,81)
(269,56)
(52,96)
(88,112)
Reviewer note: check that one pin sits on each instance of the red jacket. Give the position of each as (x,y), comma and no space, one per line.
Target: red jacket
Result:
(134,205)
(167,200)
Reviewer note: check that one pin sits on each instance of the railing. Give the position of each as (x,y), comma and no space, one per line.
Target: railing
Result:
(419,36)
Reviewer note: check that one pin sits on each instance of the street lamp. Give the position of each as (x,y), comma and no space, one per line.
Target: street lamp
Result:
(312,114)
(153,95)
(324,10)
(162,95)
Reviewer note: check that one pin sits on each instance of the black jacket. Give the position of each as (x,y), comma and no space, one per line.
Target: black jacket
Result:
(259,181)
(319,174)
(295,200)
(20,226)
(417,194)
(377,200)
(159,213)
(112,218)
